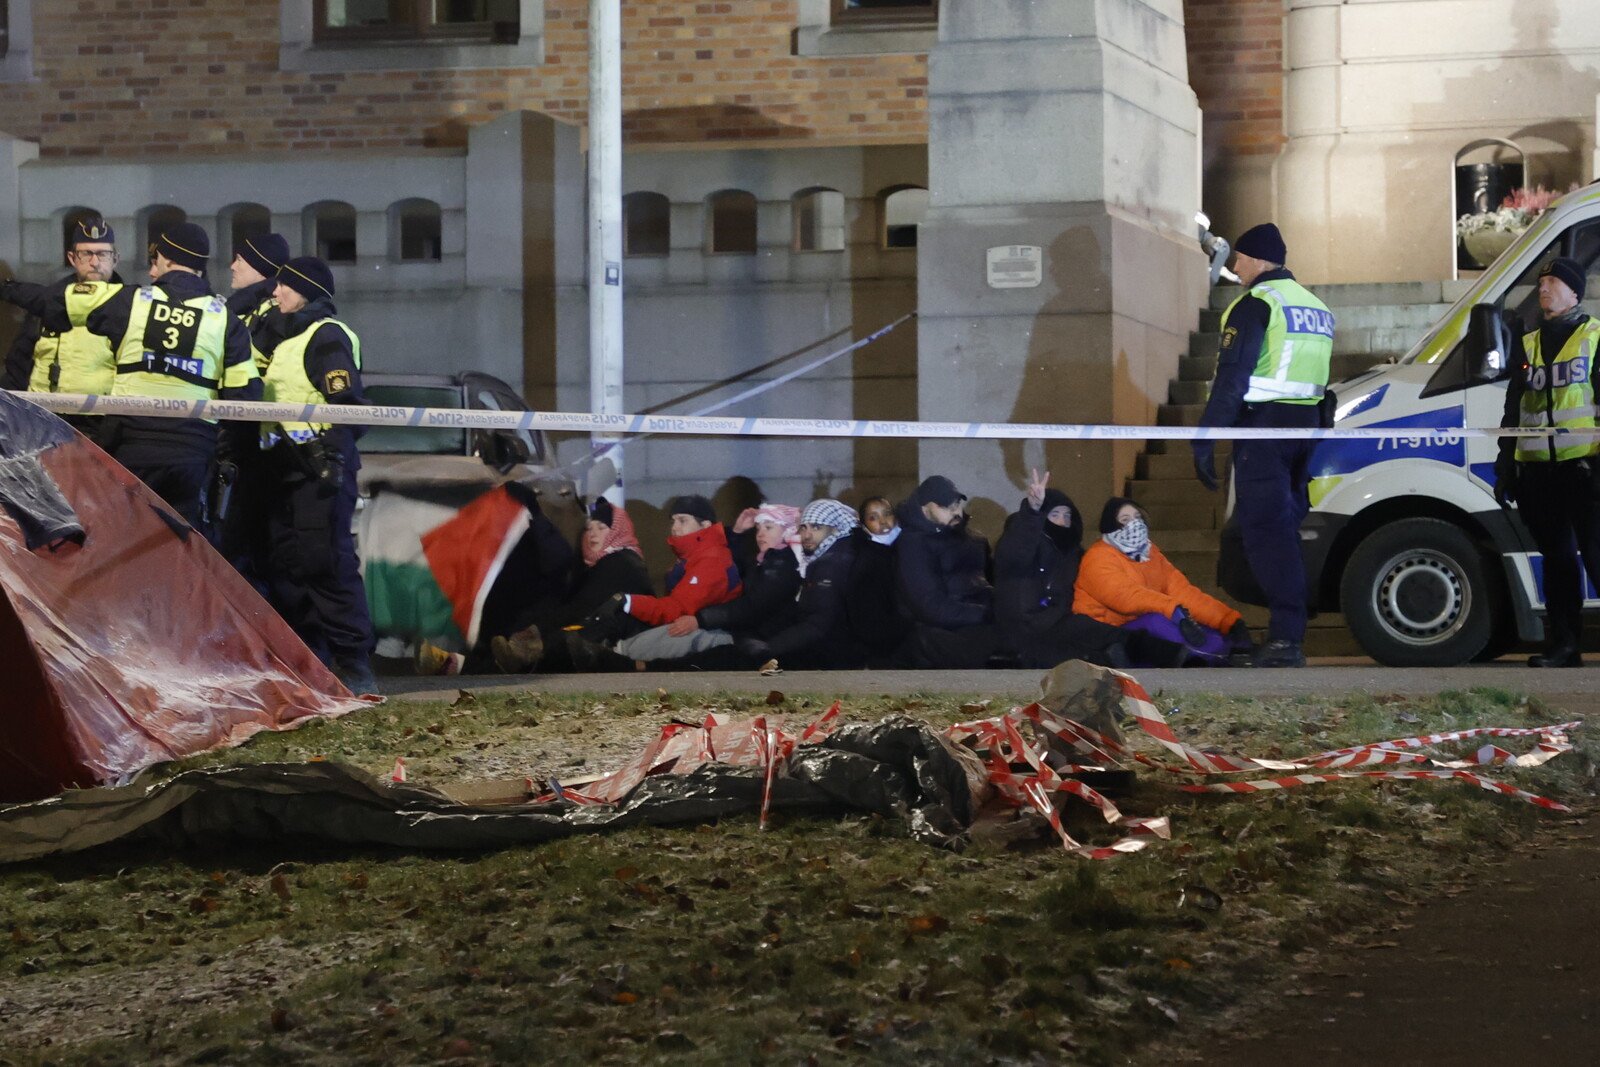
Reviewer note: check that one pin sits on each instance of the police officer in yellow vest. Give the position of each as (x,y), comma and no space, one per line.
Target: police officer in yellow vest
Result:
(173,339)
(313,358)
(76,361)
(1272,371)
(1553,480)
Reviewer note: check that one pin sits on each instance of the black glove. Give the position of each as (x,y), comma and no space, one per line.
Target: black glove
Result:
(1194,635)
(608,620)
(1205,464)
(755,648)
(1505,481)
(524,495)
(1239,635)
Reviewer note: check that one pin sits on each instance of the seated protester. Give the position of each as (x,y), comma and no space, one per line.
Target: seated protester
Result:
(532,582)
(703,575)
(1035,568)
(1125,581)
(877,516)
(765,607)
(940,582)
(609,563)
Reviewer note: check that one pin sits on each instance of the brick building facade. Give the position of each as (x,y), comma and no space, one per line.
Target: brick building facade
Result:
(115,79)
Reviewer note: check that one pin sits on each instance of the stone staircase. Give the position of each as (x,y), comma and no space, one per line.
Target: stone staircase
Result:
(1375,323)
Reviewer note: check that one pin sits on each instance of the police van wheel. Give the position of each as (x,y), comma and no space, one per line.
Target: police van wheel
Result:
(1416,593)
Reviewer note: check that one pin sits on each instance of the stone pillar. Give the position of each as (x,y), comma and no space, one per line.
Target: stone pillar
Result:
(524,241)
(14,152)
(1069,126)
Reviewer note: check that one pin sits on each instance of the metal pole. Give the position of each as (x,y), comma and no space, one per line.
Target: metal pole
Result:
(605,221)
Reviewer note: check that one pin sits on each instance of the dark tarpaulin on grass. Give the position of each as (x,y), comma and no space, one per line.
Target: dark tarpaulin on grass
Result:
(897,767)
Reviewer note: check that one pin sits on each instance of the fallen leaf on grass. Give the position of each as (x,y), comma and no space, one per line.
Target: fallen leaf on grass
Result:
(975,708)
(280,887)
(1178,963)
(625,874)
(775,698)
(463,697)
(927,924)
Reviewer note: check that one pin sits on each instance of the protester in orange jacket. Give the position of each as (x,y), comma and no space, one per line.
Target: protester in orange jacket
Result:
(1124,580)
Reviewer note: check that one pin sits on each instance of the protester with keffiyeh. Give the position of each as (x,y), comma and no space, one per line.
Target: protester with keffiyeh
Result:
(1126,581)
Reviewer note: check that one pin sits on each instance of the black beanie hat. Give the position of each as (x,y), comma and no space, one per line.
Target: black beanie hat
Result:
(1262,242)
(265,253)
(937,490)
(1108,514)
(1568,272)
(308,276)
(185,244)
(692,504)
(91,230)
(600,511)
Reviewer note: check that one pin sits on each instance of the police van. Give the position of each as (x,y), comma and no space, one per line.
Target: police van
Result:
(1404,534)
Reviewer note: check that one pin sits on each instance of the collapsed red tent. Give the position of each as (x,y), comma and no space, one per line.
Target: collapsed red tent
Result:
(125,640)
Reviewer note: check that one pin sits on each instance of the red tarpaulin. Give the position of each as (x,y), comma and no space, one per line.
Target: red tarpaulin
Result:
(125,640)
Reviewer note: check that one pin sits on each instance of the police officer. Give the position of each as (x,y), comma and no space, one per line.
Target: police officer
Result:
(173,339)
(254,273)
(313,358)
(1272,371)
(75,361)
(238,492)
(1553,479)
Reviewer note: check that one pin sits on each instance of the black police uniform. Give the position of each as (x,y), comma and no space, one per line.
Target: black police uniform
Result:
(315,574)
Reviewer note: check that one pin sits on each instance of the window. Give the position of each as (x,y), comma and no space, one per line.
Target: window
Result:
(415,231)
(331,231)
(733,222)
(238,224)
(865,27)
(819,220)
(497,21)
(903,209)
(646,225)
(865,11)
(156,220)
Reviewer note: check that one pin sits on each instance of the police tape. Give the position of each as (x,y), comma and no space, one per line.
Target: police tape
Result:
(726,426)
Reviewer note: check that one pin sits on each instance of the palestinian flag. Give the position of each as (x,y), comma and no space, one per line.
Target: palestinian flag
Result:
(467,553)
(403,596)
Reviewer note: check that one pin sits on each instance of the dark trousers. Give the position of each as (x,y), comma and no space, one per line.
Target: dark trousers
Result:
(182,484)
(1560,505)
(315,574)
(1269,480)
(930,648)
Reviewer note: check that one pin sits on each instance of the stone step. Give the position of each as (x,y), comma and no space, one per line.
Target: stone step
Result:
(1363,341)
(1182,392)
(1343,367)
(1175,466)
(1178,540)
(1172,491)
(1165,516)
(1179,414)
(1366,295)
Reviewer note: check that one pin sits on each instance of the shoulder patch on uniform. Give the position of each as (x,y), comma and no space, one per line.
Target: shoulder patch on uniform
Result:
(1228,336)
(82,288)
(337,381)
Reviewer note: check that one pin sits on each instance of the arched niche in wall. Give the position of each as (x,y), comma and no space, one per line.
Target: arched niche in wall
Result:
(819,224)
(236,224)
(416,231)
(902,208)
(330,231)
(731,223)
(155,220)
(69,219)
(646,224)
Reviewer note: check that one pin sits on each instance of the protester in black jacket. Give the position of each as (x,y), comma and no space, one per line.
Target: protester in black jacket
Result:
(940,582)
(1035,566)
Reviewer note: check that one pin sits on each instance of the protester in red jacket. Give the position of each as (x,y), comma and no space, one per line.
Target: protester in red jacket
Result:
(704,575)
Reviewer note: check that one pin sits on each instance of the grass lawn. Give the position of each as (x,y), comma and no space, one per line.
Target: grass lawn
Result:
(838,940)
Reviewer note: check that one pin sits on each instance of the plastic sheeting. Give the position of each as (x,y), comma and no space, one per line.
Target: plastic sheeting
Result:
(897,767)
(125,640)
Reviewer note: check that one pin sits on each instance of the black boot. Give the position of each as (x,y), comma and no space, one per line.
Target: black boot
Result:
(589,657)
(1280,653)
(1559,655)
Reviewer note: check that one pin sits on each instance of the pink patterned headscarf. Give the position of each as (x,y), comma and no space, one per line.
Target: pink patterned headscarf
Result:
(781,515)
